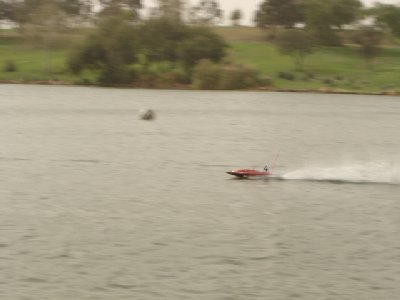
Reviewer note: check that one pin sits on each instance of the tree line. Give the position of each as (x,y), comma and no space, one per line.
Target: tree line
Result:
(123,47)
(202,12)
(123,53)
(297,26)
(324,18)
(174,44)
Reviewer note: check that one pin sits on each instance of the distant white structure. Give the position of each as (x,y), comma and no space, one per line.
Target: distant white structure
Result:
(4,24)
(147,114)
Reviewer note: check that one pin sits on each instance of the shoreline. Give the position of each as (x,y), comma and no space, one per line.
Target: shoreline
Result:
(321,90)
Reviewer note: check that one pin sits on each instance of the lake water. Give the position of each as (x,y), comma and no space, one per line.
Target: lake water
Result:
(98,204)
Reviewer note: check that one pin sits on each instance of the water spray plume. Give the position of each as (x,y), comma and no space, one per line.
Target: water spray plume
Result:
(359,173)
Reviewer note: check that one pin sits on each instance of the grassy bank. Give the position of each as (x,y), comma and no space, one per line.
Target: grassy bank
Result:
(340,69)
(328,68)
(33,63)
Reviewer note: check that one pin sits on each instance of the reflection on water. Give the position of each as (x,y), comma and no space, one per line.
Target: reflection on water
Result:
(98,204)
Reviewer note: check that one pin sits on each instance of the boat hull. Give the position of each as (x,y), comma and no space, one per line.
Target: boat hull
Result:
(246,173)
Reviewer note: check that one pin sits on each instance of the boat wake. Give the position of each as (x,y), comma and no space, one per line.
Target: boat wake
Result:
(355,173)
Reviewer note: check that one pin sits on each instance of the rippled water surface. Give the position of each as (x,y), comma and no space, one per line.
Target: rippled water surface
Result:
(97,204)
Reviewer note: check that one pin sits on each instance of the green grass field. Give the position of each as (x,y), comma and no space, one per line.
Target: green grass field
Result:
(327,68)
(35,63)
(339,68)
(30,63)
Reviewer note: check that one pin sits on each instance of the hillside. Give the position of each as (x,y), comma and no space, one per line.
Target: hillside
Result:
(327,69)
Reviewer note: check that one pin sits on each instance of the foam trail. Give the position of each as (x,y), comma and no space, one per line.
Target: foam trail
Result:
(359,173)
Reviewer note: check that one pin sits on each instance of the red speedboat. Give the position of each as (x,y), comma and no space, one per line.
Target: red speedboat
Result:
(245,173)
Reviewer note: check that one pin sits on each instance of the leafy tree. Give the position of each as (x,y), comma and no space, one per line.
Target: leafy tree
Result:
(160,39)
(109,50)
(206,12)
(21,12)
(284,13)
(236,16)
(166,40)
(201,43)
(334,13)
(72,7)
(117,7)
(169,9)
(118,47)
(368,38)
(319,19)
(322,17)
(297,43)
(345,12)
(388,16)
(77,10)
(6,10)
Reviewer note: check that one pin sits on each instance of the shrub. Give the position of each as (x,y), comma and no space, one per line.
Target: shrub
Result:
(158,80)
(327,81)
(209,75)
(286,75)
(159,75)
(10,66)
(267,81)
(239,77)
(310,75)
(109,50)
(115,75)
(201,43)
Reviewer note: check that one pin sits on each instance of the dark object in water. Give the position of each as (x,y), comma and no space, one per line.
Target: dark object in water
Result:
(147,114)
